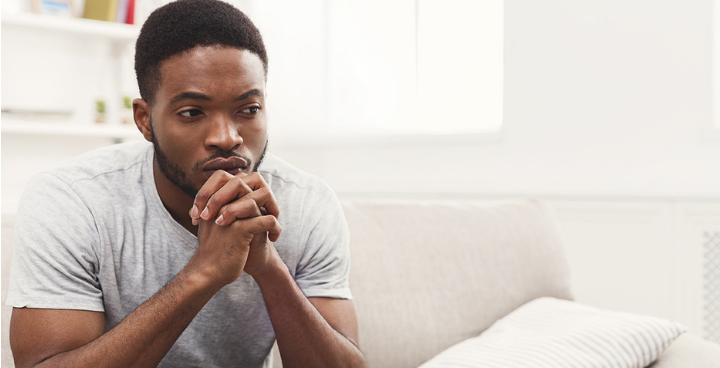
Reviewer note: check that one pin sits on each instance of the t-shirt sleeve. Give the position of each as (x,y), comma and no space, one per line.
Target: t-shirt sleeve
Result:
(54,262)
(324,266)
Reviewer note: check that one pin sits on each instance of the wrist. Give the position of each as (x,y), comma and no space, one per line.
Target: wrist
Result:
(275,270)
(199,277)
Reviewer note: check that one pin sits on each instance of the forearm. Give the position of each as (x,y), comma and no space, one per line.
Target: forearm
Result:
(144,337)
(304,338)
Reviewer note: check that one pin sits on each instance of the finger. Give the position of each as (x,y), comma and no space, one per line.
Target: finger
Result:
(261,224)
(265,200)
(259,240)
(252,204)
(256,182)
(233,189)
(216,181)
(239,209)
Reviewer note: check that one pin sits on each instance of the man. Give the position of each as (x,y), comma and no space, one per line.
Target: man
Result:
(186,252)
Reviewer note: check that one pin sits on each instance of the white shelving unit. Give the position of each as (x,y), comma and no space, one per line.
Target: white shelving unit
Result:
(115,35)
(112,131)
(76,27)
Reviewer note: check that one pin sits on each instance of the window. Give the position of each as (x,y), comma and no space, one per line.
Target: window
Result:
(373,67)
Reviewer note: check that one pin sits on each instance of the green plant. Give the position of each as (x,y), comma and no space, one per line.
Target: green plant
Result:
(100,106)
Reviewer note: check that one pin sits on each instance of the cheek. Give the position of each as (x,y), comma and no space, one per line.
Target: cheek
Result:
(179,149)
(259,133)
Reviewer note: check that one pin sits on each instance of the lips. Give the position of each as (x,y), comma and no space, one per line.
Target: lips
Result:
(232,165)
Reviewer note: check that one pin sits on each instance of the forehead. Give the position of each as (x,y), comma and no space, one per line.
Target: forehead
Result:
(211,68)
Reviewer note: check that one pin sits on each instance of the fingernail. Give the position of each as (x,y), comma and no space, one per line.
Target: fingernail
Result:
(204,214)
(219,220)
(195,222)
(194,212)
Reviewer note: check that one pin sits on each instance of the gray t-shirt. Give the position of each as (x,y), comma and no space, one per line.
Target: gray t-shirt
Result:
(94,235)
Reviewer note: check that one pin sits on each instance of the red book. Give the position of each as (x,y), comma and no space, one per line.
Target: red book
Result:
(130,19)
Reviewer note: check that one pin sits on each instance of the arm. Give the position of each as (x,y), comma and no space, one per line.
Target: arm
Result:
(47,337)
(74,338)
(317,332)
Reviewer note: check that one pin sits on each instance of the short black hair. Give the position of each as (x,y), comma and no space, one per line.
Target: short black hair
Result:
(181,26)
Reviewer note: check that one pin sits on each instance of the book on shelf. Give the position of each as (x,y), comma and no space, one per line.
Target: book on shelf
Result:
(122,10)
(101,10)
(119,11)
(130,19)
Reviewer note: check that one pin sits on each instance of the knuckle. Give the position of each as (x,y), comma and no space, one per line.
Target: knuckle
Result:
(260,193)
(227,211)
(238,183)
(259,178)
(202,196)
(212,202)
(254,207)
(256,179)
(269,221)
(218,174)
(246,200)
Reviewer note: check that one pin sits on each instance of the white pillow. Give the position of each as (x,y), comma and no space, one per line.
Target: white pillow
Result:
(555,333)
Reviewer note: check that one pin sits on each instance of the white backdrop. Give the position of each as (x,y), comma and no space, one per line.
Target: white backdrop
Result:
(606,110)
(604,97)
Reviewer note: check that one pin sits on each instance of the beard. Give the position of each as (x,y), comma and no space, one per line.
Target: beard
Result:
(179,178)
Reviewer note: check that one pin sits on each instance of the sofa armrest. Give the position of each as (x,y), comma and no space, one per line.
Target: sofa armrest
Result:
(689,351)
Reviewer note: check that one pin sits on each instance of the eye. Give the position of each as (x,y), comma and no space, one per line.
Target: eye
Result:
(191,113)
(250,110)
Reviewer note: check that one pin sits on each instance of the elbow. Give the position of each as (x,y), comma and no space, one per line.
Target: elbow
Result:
(357,360)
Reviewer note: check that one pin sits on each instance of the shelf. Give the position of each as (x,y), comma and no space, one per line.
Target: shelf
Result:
(106,130)
(116,32)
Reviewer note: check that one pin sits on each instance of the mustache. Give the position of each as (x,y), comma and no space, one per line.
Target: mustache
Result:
(222,154)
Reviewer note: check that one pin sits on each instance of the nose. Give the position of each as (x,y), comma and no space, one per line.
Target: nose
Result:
(223,133)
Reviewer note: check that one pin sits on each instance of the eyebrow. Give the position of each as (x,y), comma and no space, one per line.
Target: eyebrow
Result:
(189,96)
(200,96)
(252,92)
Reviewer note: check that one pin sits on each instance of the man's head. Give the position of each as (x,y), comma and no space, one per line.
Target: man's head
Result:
(201,67)
(185,24)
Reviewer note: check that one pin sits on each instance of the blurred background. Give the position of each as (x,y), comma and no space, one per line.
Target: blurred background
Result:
(607,110)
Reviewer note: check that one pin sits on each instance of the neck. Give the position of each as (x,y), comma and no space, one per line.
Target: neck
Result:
(176,202)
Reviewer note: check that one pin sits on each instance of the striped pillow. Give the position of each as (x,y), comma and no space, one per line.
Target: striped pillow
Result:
(549,332)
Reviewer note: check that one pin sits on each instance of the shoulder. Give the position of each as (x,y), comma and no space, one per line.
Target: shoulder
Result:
(98,176)
(100,162)
(305,200)
(283,176)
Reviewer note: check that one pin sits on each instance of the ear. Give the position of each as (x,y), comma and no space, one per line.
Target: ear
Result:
(141,113)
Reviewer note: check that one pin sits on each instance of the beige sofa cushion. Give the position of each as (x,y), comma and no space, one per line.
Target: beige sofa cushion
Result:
(689,351)
(552,332)
(426,275)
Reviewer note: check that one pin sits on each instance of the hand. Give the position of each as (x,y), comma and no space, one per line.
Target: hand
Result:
(226,199)
(225,251)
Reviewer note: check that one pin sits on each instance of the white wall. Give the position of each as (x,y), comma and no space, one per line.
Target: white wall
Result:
(605,108)
(601,97)
(607,105)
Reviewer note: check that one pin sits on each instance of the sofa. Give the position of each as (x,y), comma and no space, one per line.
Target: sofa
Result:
(426,275)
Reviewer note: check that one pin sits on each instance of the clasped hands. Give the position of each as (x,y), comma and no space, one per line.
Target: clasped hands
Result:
(237,218)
